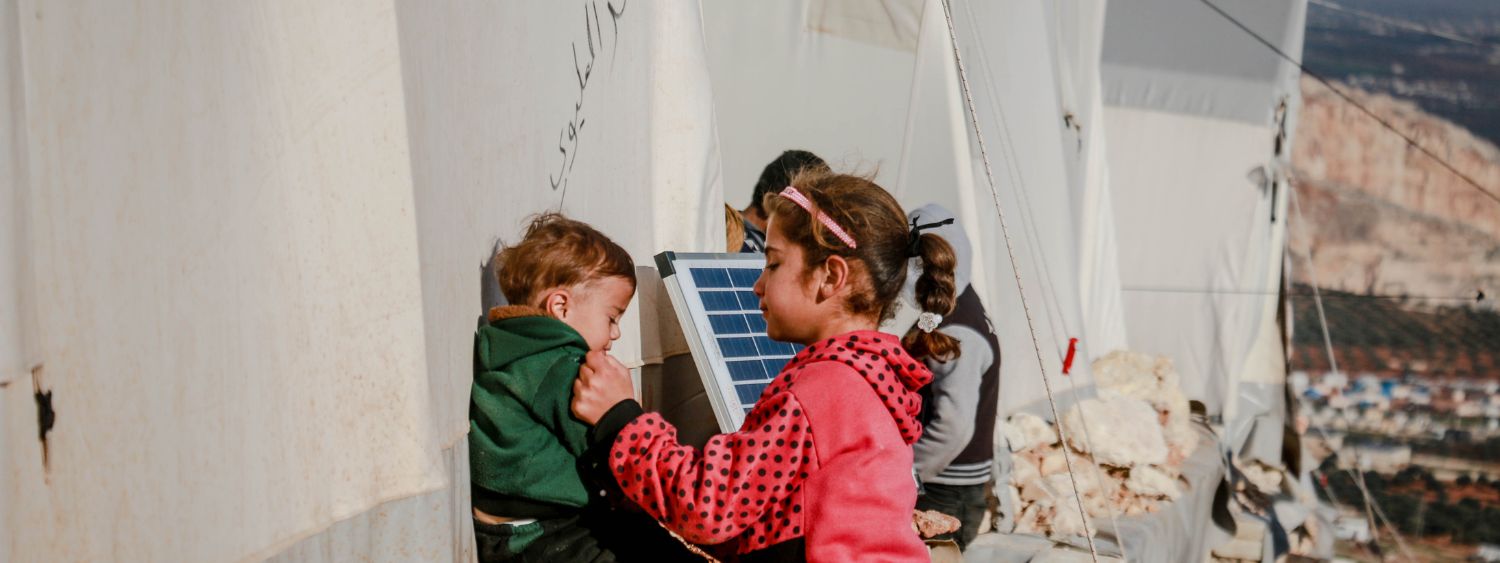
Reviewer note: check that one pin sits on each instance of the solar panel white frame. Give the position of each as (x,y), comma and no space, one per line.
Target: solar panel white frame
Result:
(697,298)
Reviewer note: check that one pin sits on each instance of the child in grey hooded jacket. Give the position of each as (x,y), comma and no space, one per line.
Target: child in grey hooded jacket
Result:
(955,454)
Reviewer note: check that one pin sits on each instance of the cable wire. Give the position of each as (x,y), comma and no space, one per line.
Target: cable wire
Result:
(1010,250)
(1397,22)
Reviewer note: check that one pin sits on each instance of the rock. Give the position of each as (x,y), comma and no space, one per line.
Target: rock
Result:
(1155,380)
(1024,470)
(1037,491)
(1124,432)
(1127,373)
(1063,486)
(1265,478)
(1152,482)
(1027,431)
(1030,520)
(1389,218)
(1068,522)
(1053,462)
(931,523)
(1099,506)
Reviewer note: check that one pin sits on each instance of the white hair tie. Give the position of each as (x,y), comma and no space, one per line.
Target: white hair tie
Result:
(929,321)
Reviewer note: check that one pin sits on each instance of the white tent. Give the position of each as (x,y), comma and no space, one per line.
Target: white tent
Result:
(1197,115)
(248,244)
(244,245)
(877,90)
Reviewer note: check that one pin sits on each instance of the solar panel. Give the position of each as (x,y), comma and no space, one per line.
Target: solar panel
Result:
(720,316)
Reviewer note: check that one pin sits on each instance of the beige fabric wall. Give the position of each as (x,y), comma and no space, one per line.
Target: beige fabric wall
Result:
(223,264)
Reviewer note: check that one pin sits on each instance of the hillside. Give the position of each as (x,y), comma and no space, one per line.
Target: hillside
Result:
(1385,219)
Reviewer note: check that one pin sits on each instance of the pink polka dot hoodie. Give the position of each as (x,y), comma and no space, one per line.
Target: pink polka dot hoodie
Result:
(821,470)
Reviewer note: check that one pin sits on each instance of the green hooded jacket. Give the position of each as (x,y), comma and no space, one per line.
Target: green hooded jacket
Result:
(523,439)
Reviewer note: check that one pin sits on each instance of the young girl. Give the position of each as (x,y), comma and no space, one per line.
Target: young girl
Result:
(822,468)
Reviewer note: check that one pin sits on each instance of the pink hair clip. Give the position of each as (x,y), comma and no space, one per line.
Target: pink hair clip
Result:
(801,200)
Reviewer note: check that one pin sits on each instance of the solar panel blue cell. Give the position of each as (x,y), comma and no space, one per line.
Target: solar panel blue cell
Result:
(748,301)
(748,370)
(756,322)
(744,277)
(773,367)
(749,393)
(729,324)
(738,347)
(717,301)
(768,347)
(710,277)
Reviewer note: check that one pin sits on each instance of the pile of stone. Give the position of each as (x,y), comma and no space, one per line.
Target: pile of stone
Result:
(1127,449)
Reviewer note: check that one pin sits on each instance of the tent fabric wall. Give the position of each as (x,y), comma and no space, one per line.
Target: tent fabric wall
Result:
(224,274)
(1184,58)
(1079,32)
(13,363)
(490,115)
(1257,411)
(437,526)
(781,83)
(1019,113)
(936,162)
(1198,299)
(14,366)
(336,176)
(418,143)
(1195,105)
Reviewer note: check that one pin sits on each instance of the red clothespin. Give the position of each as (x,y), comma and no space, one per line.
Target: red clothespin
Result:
(1068,361)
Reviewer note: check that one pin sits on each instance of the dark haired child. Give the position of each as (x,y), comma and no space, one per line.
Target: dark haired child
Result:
(776,175)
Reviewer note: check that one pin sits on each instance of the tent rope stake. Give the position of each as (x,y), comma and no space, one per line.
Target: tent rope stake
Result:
(1015,268)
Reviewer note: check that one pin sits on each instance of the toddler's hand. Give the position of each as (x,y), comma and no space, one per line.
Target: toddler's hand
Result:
(602,383)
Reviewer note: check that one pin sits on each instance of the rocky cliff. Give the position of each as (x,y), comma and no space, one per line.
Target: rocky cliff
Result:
(1382,217)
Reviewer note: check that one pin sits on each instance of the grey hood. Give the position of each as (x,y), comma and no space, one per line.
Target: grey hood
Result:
(907,311)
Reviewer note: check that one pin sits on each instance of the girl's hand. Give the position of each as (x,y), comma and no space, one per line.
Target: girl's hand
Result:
(602,383)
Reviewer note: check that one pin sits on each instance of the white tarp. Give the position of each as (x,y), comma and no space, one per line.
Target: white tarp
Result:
(827,76)
(1182,57)
(291,207)
(783,80)
(1195,107)
(436,526)
(573,97)
(222,288)
(258,236)
(14,382)
(1198,299)
(1079,36)
(1020,114)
